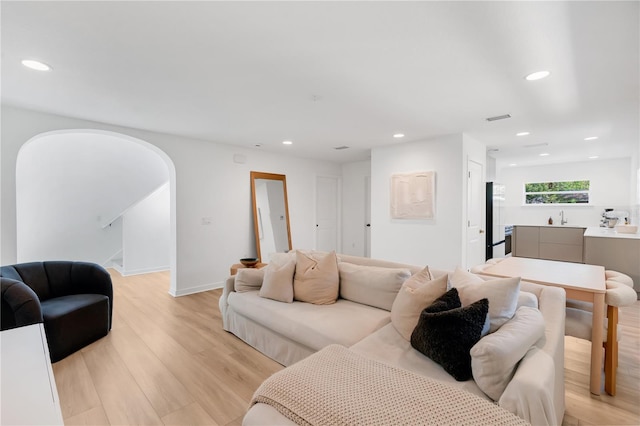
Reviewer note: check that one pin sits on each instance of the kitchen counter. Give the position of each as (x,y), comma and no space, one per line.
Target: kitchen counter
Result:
(592,245)
(613,250)
(594,231)
(556,226)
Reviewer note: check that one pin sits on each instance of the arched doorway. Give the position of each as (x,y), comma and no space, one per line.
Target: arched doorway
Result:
(93,195)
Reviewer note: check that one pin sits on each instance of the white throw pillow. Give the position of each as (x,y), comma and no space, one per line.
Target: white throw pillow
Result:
(501,292)
(495,357)
(411,301)
(278,282)
(461,278)
(248,279)
(371,285)
(316,281)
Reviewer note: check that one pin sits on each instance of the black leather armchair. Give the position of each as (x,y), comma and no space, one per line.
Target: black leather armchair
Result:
(73,299)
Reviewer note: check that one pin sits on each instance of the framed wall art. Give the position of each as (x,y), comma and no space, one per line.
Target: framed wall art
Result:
(413,195)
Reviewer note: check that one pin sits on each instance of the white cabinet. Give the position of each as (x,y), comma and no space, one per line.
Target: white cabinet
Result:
(29,393)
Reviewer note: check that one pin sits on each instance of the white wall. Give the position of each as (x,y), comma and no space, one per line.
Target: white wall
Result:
(634,186)
(609,188)
(146,235)
(353,206)
(435,242)
(491,169)
(71,186)
(208,185)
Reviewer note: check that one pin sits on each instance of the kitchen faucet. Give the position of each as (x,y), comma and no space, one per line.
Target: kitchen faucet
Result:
(562,219)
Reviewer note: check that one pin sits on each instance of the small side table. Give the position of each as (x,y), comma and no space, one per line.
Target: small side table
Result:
(234,268)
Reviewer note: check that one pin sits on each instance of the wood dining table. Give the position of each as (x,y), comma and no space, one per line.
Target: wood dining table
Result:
(580,281)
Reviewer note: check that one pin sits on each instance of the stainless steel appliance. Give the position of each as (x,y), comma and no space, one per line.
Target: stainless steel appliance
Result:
(611,218)
(496,238)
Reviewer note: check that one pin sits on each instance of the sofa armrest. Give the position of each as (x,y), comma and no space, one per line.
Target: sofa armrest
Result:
(543,366)
(229,287)
(91,278)
(20,304)
(527,394)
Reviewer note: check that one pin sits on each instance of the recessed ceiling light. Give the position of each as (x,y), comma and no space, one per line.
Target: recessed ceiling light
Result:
(36,65)
(512,165)
(523,134)
(544,154)
(537,75)
(398,135)
(287,142)
(593,157)
(591,138)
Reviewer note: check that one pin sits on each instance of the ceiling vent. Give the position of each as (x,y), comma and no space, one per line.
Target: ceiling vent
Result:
(498,117)
(536,145)
(338,148)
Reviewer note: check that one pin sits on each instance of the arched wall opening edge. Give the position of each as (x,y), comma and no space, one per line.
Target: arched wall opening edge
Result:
(172,186)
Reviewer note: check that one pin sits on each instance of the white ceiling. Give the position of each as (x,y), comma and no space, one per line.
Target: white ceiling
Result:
(327,74)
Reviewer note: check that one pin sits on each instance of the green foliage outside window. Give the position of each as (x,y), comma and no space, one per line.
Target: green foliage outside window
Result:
(571,192)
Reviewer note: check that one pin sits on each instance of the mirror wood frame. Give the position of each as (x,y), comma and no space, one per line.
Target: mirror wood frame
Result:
(268,176)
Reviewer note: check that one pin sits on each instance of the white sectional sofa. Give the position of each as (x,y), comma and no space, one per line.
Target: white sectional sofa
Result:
(290,332)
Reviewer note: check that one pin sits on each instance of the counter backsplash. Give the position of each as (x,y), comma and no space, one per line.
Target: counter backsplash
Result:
(577,216)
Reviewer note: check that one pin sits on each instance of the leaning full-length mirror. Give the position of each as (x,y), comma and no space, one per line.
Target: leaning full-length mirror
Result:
(270,214)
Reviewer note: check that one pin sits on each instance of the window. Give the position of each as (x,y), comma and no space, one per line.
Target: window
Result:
(571,192)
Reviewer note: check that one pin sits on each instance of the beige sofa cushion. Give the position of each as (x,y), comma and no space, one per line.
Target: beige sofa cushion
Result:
(316,281)
(278,282)
(371,285)
(282,258)
(248,279)
(313,326)
(495,357)
(419,278)
(527,299)
(412,298)
(502,294)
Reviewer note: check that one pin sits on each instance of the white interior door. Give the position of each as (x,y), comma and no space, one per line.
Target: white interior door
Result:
(367,216)
(475,214)
(327,219)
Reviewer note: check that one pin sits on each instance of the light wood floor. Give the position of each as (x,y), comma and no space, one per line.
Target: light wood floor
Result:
(168,361)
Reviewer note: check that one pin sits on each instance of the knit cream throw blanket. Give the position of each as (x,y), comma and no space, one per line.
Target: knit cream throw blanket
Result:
(336,386)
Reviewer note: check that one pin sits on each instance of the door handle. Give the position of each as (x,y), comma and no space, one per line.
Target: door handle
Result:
(368,225)
(481,231)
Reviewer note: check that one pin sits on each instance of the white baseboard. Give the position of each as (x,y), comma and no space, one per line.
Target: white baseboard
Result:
(116,267)
(196,289)
(126,273)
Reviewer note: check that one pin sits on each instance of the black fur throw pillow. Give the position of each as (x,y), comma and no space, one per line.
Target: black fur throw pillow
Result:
(446,332)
